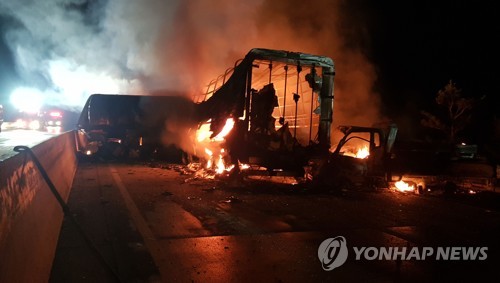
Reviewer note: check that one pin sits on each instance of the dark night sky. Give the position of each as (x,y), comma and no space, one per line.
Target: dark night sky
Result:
(416,47)
(419,46)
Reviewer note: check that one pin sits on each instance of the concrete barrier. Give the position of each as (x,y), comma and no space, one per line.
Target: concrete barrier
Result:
(30,216)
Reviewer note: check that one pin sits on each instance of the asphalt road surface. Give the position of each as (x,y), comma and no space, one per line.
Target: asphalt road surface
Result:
(155,223)
(11,138)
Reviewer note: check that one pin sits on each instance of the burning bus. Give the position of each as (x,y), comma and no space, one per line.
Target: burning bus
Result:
(278,106)
(281,103)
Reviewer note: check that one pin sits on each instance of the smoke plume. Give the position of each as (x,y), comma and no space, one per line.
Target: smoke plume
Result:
(69,49)
(210,37)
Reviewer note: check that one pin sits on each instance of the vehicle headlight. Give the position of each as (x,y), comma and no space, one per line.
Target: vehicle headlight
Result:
(34,125)
(91,148)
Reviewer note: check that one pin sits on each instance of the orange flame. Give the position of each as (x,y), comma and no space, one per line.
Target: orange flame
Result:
(203,133)
(244,166)
(209,159)
(402,186)
(361,153)
(203,136)
(227,128)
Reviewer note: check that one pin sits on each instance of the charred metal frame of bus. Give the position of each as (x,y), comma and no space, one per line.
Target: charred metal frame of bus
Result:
(251,140)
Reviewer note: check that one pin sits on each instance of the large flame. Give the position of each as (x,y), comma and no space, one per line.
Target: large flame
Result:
(215,161)
(227,128)
(203,134)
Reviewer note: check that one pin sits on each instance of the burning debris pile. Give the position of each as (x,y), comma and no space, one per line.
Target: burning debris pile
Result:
(214,157)
(214,153)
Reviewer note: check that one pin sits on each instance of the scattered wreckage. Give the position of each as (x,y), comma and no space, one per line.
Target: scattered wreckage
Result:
(281,107)
(271,113)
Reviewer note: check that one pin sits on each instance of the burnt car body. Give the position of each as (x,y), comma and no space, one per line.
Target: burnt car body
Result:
(345,169)
(118,125)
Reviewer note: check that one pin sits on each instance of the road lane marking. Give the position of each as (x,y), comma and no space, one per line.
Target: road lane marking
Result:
(147,234)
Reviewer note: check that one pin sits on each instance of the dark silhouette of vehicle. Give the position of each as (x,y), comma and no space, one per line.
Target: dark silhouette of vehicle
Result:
(121,126)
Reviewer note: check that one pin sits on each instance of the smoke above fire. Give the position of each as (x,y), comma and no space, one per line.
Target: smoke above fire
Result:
(69,49)
(210,36)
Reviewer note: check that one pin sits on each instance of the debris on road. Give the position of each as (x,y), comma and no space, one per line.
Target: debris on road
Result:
(232,199)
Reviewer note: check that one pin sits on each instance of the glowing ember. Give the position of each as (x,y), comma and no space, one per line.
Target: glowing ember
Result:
(244,166)
(402,186)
